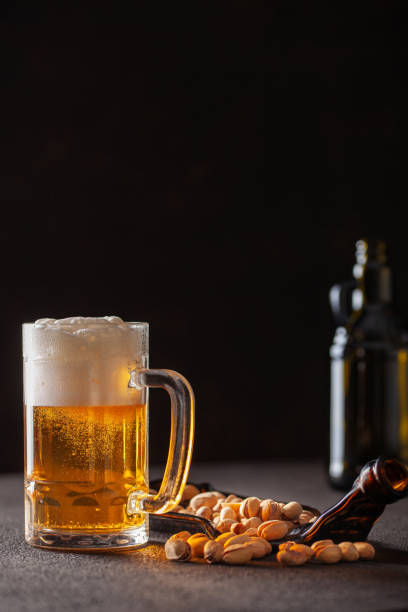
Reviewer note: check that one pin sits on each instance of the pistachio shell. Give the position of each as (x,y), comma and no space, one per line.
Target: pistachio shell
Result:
(273,530)
(291,557)
(265,543)
(204,512)
(203,499)
(249,507)
(237,539)
(197,543)
(189,492)
(302,548)
(328,554)
(225,525)
(228,513)
(269,510)
(177,550)
(319,543)
(238,528)
(365,550)
(181,535)
(213,551)
(252,523)
(224,537)
(292,510)
(238,554)
(348,551)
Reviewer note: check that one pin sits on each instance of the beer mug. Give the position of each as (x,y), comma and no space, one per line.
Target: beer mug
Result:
(86,386)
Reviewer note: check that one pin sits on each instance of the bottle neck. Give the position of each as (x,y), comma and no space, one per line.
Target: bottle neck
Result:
(376,284)
(372,273)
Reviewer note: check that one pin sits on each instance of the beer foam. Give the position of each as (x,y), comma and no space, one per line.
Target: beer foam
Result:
(73,325)
(82,361)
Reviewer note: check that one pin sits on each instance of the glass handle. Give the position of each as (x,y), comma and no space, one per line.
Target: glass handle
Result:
(181,440)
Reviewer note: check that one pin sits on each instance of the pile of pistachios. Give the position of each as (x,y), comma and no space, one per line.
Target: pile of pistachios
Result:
(233,513)
(247,527)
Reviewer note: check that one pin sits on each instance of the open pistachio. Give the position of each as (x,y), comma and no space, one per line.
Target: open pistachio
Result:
(249,507)
(269,510)
(273,530)
(320,543)
(177,550)
(238,554)
(238,528)
(328,554)
(213,551)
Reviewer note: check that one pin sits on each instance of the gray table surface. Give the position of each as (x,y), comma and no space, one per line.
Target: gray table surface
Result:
(33,579)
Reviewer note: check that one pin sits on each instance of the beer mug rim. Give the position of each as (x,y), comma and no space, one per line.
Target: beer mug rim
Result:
(130,324)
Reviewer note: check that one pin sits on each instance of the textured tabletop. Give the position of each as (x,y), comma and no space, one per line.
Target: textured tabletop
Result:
(34,580)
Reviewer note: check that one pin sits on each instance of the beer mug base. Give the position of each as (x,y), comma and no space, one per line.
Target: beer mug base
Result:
(88,541)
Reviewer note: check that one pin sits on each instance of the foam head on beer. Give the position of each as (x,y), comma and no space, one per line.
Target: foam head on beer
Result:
(83,361)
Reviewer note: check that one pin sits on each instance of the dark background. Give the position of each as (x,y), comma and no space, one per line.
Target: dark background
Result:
(134,152)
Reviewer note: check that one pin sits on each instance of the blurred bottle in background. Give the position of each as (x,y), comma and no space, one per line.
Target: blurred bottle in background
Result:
(369,369)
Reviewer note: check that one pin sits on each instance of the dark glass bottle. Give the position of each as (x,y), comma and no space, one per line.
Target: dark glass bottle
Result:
(369,373)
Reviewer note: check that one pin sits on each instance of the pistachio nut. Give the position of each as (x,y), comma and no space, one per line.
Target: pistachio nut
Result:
(190,491)
(249,507)
(328,554)
(365,550)
(348,551)
(213,551)
(273,530)
(204,512)
(181,535)
(203,499)
(291,557)
(269,510)
(237,554)
(177,550)
(197,543)
(292,510)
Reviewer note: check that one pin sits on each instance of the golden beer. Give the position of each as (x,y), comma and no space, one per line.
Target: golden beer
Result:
(86,461)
